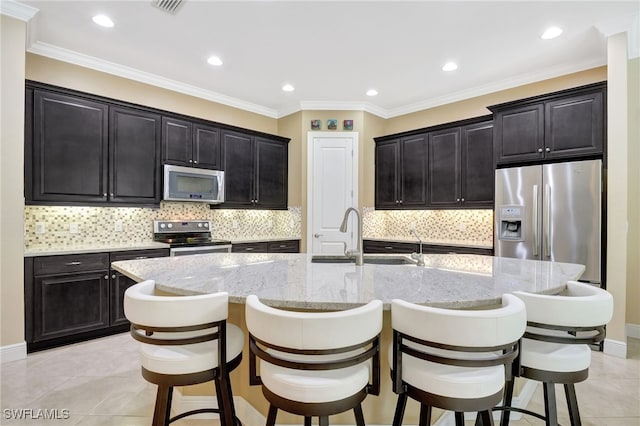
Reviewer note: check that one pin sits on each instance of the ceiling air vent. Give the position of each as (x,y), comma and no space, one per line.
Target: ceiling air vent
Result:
(169,6)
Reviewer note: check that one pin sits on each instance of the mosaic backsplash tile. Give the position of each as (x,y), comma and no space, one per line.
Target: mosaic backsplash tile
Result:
(100,225)
(432,225)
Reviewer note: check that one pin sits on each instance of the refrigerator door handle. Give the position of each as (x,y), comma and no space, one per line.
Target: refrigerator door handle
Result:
(547,229)
(536,235)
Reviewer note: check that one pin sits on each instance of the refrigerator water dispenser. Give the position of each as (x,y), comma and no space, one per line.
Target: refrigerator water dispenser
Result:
(511,218)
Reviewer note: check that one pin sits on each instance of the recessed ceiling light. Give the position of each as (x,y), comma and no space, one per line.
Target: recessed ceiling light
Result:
(103,21)
(288,88)
(215,61)
(551,32)
(372,92)
(450,66)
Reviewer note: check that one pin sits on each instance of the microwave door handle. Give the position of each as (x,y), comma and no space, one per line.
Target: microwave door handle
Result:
(536,232)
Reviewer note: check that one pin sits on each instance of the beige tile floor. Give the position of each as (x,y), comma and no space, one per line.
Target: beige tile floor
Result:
(99,383)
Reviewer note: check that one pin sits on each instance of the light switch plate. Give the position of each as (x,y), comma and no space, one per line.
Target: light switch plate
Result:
(74,228)
(40,228)
(117,226)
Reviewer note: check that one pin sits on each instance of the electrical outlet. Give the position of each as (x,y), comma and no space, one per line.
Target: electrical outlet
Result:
(40,228)
(74,228)
(462,226)
(412,226)
(117,226)
(270,224)
(234,224)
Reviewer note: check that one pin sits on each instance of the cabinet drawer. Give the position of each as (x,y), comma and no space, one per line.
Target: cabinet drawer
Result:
(48,265)
(433,249)
(389,247)
(138,254)
(249,248)
(290,246)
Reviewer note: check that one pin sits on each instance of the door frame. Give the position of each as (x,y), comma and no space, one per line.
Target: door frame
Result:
(354,136)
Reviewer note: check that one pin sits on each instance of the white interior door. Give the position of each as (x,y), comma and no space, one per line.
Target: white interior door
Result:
(332,187)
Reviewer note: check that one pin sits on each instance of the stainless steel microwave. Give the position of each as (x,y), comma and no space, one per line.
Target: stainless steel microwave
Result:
(192,184)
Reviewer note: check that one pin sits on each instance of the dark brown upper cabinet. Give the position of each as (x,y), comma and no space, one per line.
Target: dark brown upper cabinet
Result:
(256,171)
(401,173)
(447,166)
(191,144)
(561,125)
(82,151)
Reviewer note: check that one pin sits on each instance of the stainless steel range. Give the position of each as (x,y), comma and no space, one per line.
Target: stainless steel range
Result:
(188,237)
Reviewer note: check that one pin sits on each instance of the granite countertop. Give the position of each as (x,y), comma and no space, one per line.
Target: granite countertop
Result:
(294,281)
(92,248)
(453,243)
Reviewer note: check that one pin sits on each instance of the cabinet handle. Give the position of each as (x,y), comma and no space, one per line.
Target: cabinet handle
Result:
(113,276)
(400,201)
(283,246)
(389,248)
(249,249)
(539,149)
(458,199)
(462,200)
(73,263)
(104,195)
(195,161)
(397,201)
(191,161)
(112,195)
(548,149)
(106,277)
(141,257)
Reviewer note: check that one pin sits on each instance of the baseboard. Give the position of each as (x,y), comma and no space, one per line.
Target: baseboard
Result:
(249,416)
(13,352)
(633,330)
(615,348)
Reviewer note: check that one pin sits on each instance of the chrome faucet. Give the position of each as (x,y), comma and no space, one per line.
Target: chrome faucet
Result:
(418,256)
(357,253)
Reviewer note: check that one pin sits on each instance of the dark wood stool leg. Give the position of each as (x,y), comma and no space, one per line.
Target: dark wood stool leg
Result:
(227,399)
(508,398)
(572,404)
(307,421)
(400,406)
(271,417)
(162,405)
(486,418)
(459,418)
(323,421)
(425,415)
(550,409)
(357,410)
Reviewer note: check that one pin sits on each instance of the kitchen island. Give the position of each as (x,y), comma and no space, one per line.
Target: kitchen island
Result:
(298,281)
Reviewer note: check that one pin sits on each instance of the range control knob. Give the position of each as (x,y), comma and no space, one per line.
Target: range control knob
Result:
(170,225)
(200,225)
(162,225)
(206,224)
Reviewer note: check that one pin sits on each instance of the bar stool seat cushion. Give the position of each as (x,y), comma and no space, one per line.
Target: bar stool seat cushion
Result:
(557,357)
(449,380)
(185,359)
(311,386)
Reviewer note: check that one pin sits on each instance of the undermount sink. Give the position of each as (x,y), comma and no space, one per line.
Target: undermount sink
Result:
(370,260)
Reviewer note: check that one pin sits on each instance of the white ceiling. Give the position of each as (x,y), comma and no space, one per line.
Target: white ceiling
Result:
(332,52)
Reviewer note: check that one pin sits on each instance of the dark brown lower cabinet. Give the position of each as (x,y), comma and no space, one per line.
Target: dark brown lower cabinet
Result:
(70,298)
(284,246)
(381,246)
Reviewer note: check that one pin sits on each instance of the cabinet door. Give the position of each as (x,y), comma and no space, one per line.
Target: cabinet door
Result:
(176,141)
(70,304)
(135,159)
(373,246)
(70,142)
(387,179)
(413,171)
(574,126)
(444,168)
(271,167)
(289,246)
(238,164)
(519,134)
(206,147)
(477,165)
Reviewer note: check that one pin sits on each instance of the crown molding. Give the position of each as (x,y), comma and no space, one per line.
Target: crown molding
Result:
(629,24)
(344,106)
(17,10)
(494,87)
(66,55)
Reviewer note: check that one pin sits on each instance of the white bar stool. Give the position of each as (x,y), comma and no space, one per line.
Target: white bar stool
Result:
(185,340)
(555,346)
(315,363)
(451,359)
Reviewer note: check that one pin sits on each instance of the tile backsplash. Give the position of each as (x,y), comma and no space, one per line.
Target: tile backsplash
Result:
(432,225)
(120,225)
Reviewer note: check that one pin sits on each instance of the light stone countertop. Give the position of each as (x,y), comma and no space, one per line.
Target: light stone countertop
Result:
(92,248)
(293,281)
(453,243)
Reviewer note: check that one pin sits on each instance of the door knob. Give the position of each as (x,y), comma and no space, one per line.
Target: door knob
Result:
(317,235)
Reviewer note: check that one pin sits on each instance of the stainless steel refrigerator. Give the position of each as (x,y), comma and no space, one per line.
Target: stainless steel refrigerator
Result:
(551,212)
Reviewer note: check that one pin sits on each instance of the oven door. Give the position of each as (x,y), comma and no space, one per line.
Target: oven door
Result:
(185,251)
